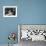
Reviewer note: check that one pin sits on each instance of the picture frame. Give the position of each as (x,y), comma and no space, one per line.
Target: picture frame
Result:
(34,30)
(9,11)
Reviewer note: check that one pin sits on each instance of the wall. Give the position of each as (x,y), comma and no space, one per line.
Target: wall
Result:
(29,12)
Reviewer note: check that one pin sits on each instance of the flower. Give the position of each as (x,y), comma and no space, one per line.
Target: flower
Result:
(12,36)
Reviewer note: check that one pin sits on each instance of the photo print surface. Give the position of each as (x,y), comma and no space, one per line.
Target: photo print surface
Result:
(10,11)
(33,32)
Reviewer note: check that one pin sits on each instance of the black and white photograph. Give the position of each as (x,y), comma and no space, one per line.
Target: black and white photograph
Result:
(9,11)
(28,34)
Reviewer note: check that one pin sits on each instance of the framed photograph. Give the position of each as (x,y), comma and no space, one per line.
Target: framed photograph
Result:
(9,11)
(31,32)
